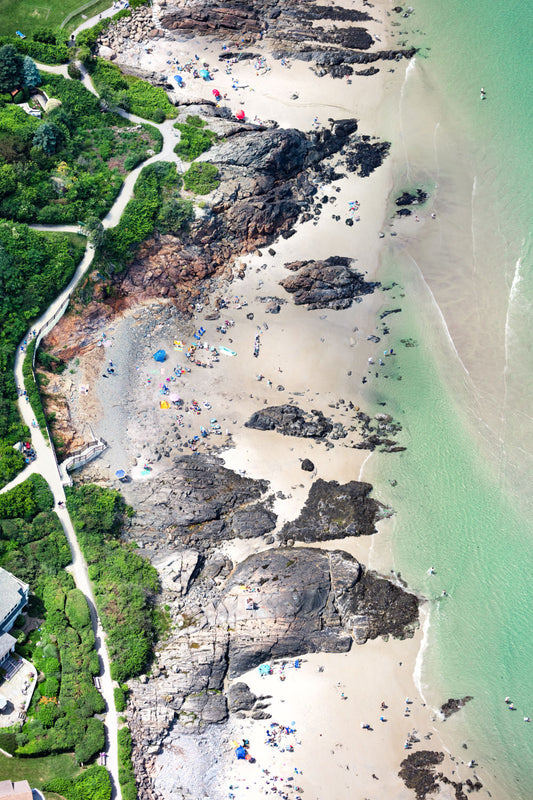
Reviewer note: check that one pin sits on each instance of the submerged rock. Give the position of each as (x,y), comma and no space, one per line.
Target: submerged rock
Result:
(409,199)
(452,706)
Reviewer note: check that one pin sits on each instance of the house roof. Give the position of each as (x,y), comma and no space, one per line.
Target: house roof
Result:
(12,592)
(6,643)
(20,790)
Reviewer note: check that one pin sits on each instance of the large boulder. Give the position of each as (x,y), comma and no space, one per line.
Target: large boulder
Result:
(334,511)
(291,421)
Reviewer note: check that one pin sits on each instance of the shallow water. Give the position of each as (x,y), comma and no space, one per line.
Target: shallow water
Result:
(462,497)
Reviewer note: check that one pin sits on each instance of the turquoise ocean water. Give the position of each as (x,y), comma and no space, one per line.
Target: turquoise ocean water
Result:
(462,490)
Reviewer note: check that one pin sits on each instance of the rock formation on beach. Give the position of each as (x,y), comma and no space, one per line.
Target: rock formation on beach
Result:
(277,603)
(268,183)
(334,511)
(199,503)
(330,283)
(291,421)
(292,31)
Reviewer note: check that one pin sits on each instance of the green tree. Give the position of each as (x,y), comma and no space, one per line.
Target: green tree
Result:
(92,743)
(175,215)
(8,181)
(47,137)
(30,74)
(11,65)
(44,35)
(95,231)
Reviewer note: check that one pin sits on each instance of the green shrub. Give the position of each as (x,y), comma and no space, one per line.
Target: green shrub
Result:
(27,499)
(175,216)
(133,160)
(201,178)
(93,784)
(74,71)
(92,743)
(137,221)
(124,581)
(49,687)
(193,139)
(120,699)
(77,610)
(44,52)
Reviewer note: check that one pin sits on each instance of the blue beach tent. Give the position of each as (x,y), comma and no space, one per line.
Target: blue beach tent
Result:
(160,356)
(240,752)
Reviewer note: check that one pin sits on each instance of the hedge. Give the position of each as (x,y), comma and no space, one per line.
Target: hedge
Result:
(126,774)
(93,784)
(32,390)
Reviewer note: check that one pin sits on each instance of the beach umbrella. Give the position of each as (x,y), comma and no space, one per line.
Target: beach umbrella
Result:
(120,473)
(204,73)
(216,93)
(240,114)
(160,355)
(178,79)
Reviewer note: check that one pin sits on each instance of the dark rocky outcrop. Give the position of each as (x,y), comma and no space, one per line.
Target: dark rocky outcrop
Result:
(265,189)
(452,706)
(296,601)
(291,421)
(334,511)
(202,503)
(307,465)
(418,772)
(330,283)
(410,198)
(291,30)
(240,697)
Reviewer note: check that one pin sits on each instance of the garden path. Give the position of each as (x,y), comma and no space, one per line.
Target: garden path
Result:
(46,463)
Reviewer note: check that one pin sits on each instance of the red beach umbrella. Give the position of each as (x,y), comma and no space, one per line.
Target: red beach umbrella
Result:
(240,114)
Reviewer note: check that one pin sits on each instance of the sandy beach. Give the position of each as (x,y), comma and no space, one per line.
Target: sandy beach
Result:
(315,359)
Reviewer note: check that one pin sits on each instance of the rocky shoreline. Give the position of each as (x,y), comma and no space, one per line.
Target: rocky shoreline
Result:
(257,524)
(228,618)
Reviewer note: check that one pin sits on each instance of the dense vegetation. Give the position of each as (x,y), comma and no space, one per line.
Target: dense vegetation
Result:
(124,582)
(195,138)
(156,203)
(201,178)
(45,45)
(130,93)
(26,500)
(34,267)
(70,164)
(93,784)
(126,774)
(33,390)
(61,716)
(33,547)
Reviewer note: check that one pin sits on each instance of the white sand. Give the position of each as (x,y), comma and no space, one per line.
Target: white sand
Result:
(311,354)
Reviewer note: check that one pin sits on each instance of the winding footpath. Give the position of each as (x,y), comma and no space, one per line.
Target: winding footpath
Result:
(45,462)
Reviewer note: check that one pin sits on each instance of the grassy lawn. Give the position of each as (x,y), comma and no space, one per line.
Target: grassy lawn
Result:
(27,15)
(96,8)
(38,770)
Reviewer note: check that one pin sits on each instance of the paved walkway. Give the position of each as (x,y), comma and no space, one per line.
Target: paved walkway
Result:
(45,462)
